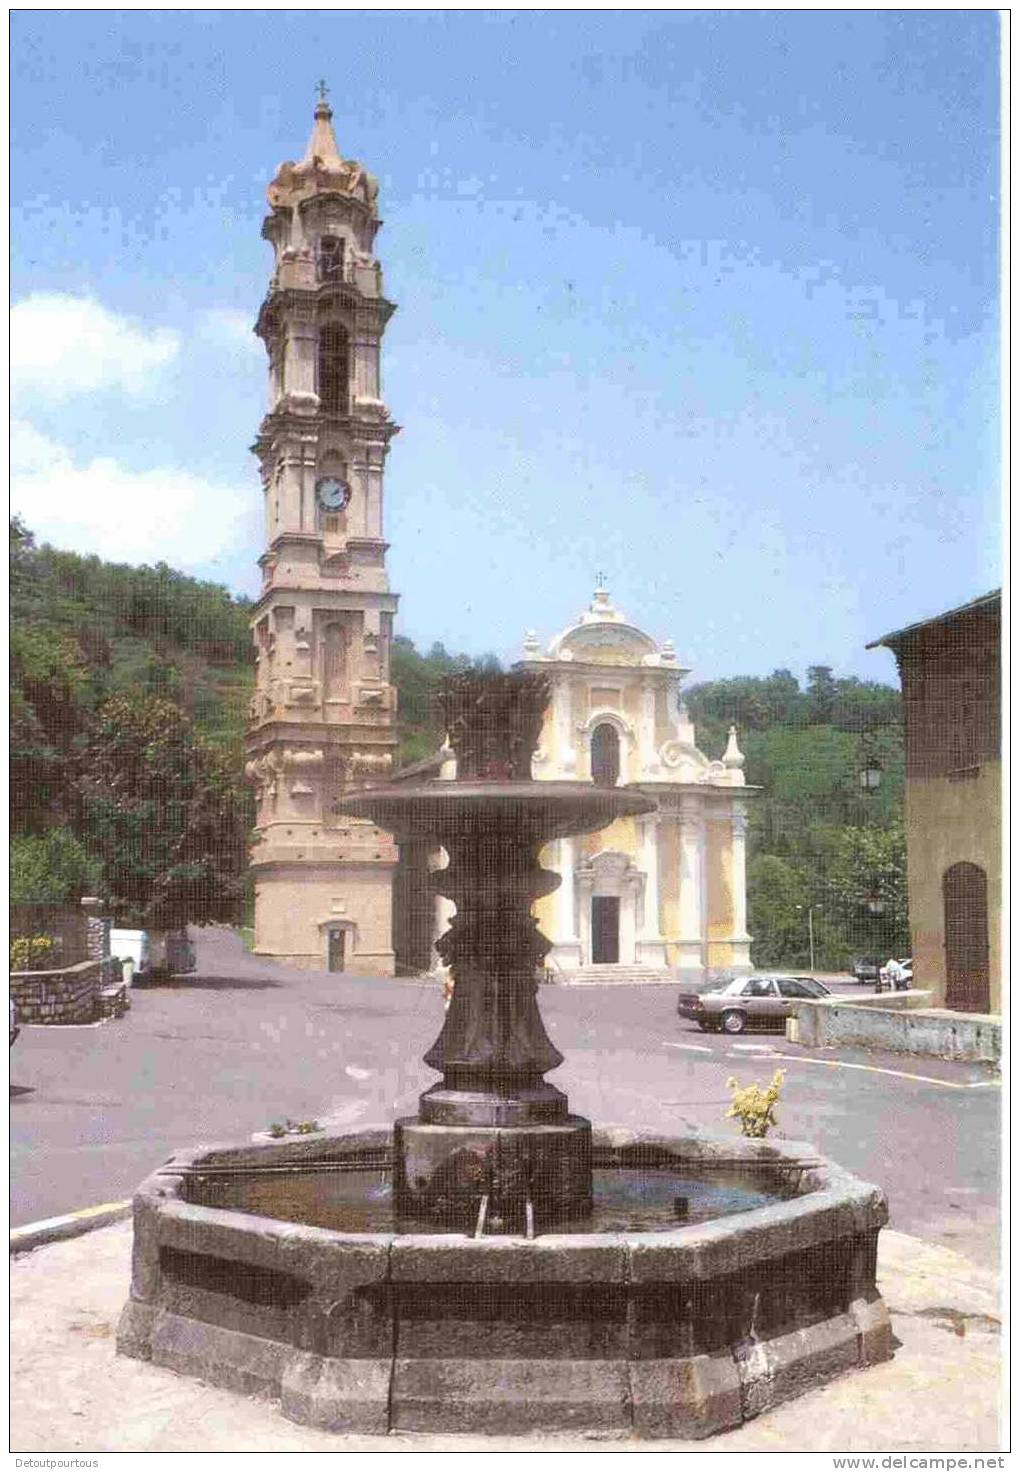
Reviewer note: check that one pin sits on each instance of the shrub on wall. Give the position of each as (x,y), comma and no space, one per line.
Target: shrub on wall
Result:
(35,953)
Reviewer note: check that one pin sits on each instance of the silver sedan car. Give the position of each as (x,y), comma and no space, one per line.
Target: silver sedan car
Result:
(750,1001)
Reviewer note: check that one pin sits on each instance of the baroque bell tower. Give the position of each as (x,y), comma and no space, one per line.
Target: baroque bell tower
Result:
(322,718)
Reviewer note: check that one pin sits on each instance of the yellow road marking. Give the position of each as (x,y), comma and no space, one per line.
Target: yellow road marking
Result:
(70,1216)
(921,1078)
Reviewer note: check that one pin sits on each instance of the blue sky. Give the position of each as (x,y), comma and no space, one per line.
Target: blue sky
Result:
(706,301)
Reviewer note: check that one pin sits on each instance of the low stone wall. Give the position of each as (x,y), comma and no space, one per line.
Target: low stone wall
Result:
(897,1024)
(890,1001)
(92,991)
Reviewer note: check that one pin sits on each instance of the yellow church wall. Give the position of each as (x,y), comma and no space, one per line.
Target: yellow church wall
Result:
(669,897)
(719,873)
(611,654)
(620,836)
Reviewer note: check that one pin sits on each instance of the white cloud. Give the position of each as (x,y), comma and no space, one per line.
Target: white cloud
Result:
(62,346)
(230,328)
(103,507)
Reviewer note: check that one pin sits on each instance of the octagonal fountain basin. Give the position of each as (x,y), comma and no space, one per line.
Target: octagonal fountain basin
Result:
(714,1278)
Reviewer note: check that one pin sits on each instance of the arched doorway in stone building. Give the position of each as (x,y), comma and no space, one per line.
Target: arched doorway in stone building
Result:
(965,911)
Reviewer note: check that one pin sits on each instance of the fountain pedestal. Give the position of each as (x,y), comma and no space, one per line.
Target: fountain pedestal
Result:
(494,1141)
(494,1129)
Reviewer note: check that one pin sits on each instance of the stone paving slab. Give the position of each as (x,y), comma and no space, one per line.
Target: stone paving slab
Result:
(71,1393)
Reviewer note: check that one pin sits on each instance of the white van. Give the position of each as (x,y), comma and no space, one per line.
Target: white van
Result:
(131,945)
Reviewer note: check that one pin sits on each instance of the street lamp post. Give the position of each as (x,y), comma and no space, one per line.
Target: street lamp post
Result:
(811,933)
(876,907)
(870,778)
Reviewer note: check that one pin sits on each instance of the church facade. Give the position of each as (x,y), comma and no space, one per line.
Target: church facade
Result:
(323,712)
(649,893)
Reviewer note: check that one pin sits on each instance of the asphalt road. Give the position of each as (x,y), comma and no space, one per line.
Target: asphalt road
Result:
(218,1055)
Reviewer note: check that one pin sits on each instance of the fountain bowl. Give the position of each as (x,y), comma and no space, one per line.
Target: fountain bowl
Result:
(678,1332)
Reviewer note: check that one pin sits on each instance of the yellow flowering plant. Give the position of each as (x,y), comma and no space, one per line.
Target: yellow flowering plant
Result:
(754,1106)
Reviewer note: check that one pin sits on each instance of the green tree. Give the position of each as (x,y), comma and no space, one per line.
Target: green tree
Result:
(52,868)
(777,891)
(166,815)
(50,699)
(869,865)
(821,693)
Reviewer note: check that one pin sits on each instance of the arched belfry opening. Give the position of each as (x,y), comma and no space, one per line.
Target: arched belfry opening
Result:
(605,755)
(965,908)
(330,260)
(333,368)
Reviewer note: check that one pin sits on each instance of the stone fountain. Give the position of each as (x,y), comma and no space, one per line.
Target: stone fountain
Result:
(492,1265)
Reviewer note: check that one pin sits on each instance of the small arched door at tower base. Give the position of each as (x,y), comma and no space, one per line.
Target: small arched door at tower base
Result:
(336,946)
(965,919)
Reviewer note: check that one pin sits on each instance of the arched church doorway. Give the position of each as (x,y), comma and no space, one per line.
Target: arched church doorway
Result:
(605,755)
(965,910)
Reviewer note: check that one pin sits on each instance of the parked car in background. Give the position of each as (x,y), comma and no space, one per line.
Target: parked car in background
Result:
(897,975)
(154,955)
(866,968)
(759,1000)
(131,945)
(687,1001)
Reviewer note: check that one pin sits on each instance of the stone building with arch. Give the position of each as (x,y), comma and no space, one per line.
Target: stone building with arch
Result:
(950,670)
(664,893)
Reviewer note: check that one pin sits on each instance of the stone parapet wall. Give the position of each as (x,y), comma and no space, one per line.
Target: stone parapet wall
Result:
(926,1032)
(92,991)
(68,995)
(113,1002)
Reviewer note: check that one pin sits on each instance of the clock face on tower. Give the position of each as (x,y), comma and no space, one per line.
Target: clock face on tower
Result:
(333,494)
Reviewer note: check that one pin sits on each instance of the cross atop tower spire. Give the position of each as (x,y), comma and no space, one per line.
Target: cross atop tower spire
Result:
(322,144)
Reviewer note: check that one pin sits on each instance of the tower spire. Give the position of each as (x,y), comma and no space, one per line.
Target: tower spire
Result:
(322,144)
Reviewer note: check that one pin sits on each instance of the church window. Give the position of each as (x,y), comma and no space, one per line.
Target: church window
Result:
(333,368)
(605,756)
(331,259)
